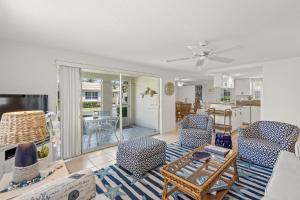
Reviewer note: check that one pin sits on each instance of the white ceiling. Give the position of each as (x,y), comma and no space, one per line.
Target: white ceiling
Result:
(149,32)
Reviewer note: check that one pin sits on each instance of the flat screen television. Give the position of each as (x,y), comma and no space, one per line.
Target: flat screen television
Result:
(22,102)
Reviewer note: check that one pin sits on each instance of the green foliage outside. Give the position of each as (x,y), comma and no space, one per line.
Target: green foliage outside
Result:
(225,98)
(91,104)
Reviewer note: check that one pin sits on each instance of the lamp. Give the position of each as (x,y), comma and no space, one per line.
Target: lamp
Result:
(24,128)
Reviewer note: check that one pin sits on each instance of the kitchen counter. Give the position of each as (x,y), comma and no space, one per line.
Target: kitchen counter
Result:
(223,106)
(248,103)
(247,111)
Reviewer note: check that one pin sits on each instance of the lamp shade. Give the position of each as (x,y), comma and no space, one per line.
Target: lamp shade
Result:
(22,127)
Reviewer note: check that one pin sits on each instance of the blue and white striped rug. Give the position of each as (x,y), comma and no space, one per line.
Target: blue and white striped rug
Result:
(116,183)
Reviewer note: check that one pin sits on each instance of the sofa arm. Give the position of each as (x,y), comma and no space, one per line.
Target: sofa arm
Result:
(80,185)
(289,143)
(184,123)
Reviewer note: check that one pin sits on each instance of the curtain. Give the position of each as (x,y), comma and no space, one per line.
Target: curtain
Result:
(70,110)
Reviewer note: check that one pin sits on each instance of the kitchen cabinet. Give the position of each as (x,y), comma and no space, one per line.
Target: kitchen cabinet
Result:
(243,87)
(228,82)
(223,81)
(246,114)
(255,114)
(237,118)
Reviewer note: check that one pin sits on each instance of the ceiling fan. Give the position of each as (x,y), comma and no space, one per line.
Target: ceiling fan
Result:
(202,52)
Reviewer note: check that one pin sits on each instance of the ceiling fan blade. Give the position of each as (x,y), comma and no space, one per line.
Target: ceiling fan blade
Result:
(192,47)
(221,59)
(229,49)
(180,59)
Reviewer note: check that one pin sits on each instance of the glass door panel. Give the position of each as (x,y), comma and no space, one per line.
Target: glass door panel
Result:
(101,121)
(118,107)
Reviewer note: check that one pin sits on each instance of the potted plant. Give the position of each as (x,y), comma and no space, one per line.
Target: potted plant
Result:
(43,157)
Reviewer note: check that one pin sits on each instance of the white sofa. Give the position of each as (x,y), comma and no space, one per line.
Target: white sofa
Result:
(285,180)
(80,185)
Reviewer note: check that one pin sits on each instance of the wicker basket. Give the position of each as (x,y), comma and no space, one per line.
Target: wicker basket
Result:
(22,127)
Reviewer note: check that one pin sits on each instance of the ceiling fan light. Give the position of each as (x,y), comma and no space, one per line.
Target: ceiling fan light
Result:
(179,83)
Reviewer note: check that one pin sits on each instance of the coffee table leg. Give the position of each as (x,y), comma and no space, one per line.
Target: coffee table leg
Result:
(236,169)
(165,190)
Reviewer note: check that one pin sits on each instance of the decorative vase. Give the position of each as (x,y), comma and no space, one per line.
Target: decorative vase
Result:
(26,163)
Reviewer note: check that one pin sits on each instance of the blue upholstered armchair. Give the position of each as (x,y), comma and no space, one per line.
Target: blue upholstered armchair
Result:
(196,130)
(263,140)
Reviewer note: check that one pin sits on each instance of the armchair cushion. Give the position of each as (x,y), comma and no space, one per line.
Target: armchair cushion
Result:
(261,152)
(260,145)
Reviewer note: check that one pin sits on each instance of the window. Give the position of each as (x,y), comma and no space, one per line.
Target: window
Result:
(91,96)
(226,93)
(257,88)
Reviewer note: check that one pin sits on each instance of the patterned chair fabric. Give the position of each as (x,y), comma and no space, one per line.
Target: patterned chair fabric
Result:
(263,140)
(140,155)
(196,130)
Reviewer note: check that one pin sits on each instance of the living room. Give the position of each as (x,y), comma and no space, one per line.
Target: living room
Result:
(47,48)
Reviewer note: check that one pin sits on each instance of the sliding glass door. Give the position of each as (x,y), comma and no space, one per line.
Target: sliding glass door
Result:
(117,107)
(100,116)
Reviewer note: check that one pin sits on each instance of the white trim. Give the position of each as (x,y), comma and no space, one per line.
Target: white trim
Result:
(95,68)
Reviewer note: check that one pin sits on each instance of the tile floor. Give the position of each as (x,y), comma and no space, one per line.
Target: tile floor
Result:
(105,157)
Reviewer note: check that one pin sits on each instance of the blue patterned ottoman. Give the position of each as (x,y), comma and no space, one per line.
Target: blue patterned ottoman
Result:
(138,156)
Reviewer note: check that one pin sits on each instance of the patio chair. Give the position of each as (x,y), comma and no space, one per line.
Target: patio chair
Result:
(110,125)
(92,127)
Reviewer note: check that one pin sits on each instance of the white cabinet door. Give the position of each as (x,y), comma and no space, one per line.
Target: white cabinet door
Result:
(255,113)
(246,114)
(240,116)
(234,119)
(243,87)
(237,118)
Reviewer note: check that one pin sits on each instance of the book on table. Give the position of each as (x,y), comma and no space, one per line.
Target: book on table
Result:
(217,150)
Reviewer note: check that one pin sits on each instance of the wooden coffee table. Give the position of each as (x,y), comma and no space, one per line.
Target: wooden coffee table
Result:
(186,182)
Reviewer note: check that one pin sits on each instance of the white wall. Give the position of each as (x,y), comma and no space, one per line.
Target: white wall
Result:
(32,70)
(146,108)
(281,92)
(186,93)
(189,92)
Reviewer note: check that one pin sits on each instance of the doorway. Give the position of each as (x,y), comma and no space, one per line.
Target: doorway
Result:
(118,107)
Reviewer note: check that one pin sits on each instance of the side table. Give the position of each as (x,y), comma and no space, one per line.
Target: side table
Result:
(7,178)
